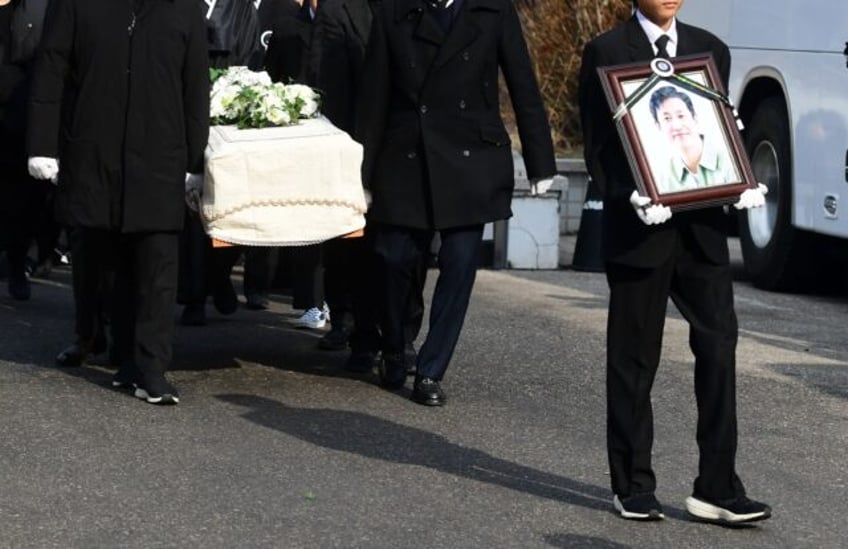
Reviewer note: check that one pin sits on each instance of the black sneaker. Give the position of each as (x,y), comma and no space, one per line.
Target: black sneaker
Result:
(737,511)
(638,507)
(428,391)
(162,393)
(125,380)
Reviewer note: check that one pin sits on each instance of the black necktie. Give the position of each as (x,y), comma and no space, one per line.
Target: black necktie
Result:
(661,43)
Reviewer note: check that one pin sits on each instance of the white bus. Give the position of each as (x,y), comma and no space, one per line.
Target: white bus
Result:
(789,81)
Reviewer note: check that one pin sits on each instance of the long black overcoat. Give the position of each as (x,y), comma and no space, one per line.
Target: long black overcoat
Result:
(437,154)
(122,99)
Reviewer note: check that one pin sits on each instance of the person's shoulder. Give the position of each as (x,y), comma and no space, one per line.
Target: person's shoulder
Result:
(701,36)
(611,38)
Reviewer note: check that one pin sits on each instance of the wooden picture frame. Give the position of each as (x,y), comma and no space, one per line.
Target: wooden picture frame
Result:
(679,131)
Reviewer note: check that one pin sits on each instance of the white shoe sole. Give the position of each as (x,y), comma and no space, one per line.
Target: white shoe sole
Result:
(708,511)
(631,515)
(166,399)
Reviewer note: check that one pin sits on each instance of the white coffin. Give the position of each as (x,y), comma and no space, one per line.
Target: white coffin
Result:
(284,186)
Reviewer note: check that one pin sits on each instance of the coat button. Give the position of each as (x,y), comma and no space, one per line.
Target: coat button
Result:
(466,56)
(462,103)
(466,152)
(423,109)
(410,155)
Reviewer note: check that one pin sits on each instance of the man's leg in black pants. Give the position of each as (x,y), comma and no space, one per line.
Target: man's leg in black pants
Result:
(194,252)
(637,308)
(90,249)
(154,259)
(458,260)
(415,314)
(703,292)
(308,285)
(340,257)
(259,265)
(398,251)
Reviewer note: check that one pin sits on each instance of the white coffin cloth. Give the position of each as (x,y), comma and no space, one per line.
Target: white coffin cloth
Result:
(284,186)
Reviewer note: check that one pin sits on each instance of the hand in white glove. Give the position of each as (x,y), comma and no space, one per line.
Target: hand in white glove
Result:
(43,167)
(540,186)
(752,198)
(193,190)
(650,214)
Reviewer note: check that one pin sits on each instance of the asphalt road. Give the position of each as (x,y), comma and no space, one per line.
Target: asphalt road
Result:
(274,445)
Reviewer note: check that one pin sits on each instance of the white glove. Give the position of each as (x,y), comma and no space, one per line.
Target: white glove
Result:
(193,190)
(752,198)
(43,167)
(650,214)
(540,186)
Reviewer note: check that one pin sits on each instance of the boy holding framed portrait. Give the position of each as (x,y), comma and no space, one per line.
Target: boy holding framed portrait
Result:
(652,154)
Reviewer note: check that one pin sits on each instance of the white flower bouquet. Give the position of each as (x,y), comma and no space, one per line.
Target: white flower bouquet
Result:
(249,99)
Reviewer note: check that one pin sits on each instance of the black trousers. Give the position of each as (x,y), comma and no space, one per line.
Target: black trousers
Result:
(350,274)
(145,299)
(703,293)
(260,262)
(204,270)
(307,276)
(22,213)
(399,253)
(93,276)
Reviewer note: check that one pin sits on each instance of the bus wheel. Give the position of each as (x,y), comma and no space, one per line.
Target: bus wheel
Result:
(775,252)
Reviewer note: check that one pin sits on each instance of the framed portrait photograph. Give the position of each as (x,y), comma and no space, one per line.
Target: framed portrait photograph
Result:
(678,131)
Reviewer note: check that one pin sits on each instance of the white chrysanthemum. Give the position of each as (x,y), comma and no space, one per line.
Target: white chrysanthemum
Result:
(299,91)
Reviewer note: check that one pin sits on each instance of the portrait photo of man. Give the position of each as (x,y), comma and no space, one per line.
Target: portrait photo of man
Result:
(695,158)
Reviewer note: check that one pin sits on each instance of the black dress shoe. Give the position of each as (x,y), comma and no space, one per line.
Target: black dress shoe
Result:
(392,372)
(361,362)
(428,391)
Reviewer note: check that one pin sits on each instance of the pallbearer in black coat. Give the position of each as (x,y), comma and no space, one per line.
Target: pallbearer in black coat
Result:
(123,113)
(438,158)
(651,256)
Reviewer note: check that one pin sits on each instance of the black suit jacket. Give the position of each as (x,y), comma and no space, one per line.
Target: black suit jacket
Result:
(338,56)
(287,57)
(437,154)
(626,239)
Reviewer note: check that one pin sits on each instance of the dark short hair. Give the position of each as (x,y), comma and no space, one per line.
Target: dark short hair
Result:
(669,92)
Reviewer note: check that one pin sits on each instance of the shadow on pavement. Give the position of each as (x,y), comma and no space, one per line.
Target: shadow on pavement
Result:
(376,438)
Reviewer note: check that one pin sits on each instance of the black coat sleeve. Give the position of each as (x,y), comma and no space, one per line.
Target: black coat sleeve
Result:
(50,73)
(196,94)
(593,114)
(533,126)
(331,67)
(373,104)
